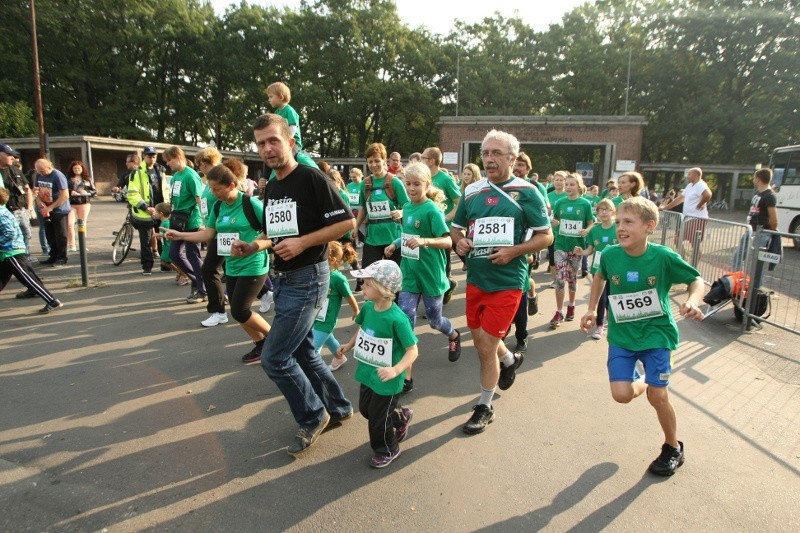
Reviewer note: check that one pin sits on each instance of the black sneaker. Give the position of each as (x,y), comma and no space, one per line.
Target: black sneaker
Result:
(508,374)
(52,306)
(482,415)
(669,460)
(381,460)
(358,286)
(408,385)
(254,355)
(401,431)
(307,435)
(522,345)
(50,261)
(449,294)
(165,269)
(147,272)
(454,348)
(533,305)
(27,294)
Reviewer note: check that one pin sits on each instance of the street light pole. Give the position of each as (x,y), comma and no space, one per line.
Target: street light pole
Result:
(37,84)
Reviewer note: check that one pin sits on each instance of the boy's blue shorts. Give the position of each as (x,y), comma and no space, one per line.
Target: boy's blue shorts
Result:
(657,365)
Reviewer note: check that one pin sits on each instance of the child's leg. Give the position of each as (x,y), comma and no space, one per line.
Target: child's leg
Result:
(433,309)
(378,410)
(408,302)
(574,264)
(20,266)
(602,304)
(562,273)
(319,339)
(332,343)
(659,399)
(622,374)
(658,369)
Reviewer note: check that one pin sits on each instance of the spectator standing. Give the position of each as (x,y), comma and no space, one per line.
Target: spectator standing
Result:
(81,192)
(20,201)
(52,197)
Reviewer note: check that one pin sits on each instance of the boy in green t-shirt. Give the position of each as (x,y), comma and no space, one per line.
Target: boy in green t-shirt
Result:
(385,346)
(641,326)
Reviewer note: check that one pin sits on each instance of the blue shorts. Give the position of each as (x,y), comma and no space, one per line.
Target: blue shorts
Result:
(657,365)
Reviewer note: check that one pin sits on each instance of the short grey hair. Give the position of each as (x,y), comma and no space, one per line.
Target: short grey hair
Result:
(507,138)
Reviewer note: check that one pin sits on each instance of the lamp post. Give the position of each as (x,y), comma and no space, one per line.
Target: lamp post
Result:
(37,85)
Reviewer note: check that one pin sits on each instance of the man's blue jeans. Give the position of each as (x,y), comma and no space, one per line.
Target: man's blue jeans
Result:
(289,358)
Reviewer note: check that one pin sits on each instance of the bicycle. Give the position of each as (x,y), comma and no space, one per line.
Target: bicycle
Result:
(719,204)
(122,240)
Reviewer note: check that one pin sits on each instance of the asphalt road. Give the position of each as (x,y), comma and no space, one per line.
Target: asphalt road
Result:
(121,413)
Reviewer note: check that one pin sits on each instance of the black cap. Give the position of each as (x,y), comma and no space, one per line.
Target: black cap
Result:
(149,150)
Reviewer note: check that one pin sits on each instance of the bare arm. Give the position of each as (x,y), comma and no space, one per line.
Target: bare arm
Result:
(691,308)
(598,284)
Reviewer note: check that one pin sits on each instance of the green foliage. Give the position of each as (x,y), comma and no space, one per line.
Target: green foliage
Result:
(716,79)
(16,120)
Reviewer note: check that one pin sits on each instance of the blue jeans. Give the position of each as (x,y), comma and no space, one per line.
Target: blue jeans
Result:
(289,358)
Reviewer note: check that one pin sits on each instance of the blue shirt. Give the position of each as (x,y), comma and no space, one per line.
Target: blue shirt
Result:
(50,188)
(11,241)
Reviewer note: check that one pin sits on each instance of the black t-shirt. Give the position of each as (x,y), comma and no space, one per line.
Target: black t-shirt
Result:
(318,205)
(759,212)
(15,182)
(156,175)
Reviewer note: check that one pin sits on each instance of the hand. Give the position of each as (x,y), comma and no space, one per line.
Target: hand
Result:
(464,246)
(584,233)
(587,321)
(290,248)
(344,348)
(152,211)
(502,255)
(387,372)
(415,242)
(243,249)
(556,222)
(397,214)
(578,250)
(170,234)
(389,250)
(691,310)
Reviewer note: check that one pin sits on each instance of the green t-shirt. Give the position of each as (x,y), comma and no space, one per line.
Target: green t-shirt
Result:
(542,191)
(658,268)
(293,119)
(382,231)
(599,238)
(207,201)
(185,187)
(389,324)
(353,195)
(338,288)
(346,199)
(167,244)
(552,198)
(617,200)
(573,216)
(444,181)
(592,200)
(425,275)
(232,223)
(519,200)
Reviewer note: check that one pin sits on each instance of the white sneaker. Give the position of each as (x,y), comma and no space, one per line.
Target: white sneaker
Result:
(597,333)
(266,302)
(215,320)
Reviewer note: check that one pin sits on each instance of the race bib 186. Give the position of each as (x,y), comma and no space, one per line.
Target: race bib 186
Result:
(493,231)
(635,305)
(281,220)
(224,242)
(373,351)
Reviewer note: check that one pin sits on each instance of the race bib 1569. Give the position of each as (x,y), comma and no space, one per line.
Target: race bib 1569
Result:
(635,305)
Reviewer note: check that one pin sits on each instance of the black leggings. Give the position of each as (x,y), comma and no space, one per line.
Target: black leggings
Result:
(371,253)
(242,290)
(212,278)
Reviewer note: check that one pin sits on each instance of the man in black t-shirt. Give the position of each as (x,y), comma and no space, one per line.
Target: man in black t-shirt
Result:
(302,214)
(762,207)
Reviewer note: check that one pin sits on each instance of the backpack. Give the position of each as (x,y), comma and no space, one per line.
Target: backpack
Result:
(249,212)
(388,186)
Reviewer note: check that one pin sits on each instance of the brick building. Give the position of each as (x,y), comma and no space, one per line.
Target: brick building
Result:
(610,138)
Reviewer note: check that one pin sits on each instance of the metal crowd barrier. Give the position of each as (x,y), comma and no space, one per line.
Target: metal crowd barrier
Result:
(670,229)
(776,272)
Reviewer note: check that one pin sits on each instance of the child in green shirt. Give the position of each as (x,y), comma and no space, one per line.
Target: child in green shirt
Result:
(385,347)
(641,326)
(600,236)
(163,212)
(338,290)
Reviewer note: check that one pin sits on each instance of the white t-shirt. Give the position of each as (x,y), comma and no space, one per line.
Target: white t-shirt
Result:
(691,197)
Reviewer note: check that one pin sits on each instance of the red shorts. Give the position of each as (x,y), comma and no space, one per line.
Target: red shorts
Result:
(491,311)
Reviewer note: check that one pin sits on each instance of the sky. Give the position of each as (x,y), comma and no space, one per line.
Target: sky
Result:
(439,15)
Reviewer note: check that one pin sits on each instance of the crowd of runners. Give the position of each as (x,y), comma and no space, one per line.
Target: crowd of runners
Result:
(283,242)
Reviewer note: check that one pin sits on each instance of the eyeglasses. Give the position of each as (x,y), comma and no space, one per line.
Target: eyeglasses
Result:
(493,154)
